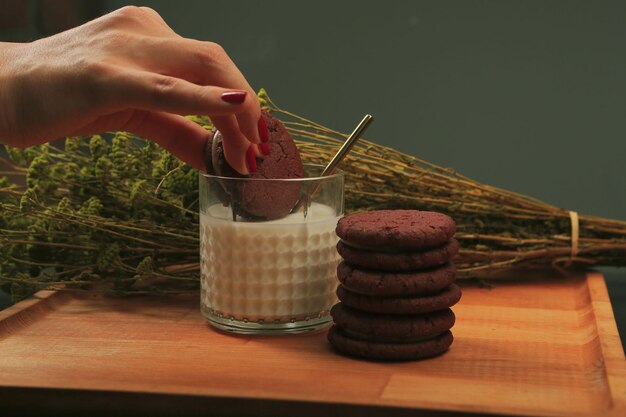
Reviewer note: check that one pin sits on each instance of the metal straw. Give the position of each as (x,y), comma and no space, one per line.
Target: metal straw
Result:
(347,145)
(339,156)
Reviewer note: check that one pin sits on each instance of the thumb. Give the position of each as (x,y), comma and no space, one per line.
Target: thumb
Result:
(182,137)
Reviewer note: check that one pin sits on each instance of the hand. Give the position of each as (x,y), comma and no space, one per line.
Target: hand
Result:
(127,71)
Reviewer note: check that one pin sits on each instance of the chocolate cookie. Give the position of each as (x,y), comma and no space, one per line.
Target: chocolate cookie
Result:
(346,344)
(398,261)
(400,305)
(396,229)
(261,199)
(392,328)
(385,284)
(208,157)
(208,153)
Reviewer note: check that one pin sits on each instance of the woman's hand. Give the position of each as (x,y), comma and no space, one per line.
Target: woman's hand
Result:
(128,71)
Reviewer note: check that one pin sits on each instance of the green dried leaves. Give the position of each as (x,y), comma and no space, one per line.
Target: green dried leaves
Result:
(92,213)
(108,257)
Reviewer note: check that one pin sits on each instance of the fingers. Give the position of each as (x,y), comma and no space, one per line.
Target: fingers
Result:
(149,91)
(236,147)
(159,93)
(204,63)
(182,137)
(179,135)
(160,71)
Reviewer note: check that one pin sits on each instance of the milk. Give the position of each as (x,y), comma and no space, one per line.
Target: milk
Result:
(280,271)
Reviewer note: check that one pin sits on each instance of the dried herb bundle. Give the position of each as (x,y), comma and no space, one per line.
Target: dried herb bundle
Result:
(123,213)
(498,229)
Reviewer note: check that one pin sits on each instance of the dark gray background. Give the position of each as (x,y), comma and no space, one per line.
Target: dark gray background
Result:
(525,95)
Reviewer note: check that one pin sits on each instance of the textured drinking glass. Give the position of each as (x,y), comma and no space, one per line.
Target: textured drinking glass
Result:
(273,276)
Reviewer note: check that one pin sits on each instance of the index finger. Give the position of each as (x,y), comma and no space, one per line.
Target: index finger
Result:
(206,63)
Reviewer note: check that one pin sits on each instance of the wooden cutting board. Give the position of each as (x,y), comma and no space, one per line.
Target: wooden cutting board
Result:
(541,348)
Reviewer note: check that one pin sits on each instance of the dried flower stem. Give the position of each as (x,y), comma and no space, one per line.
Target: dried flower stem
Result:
(89,213)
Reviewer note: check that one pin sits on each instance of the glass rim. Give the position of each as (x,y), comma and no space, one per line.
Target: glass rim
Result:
(338,173)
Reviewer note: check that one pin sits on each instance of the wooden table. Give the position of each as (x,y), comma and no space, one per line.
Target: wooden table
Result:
(532,347)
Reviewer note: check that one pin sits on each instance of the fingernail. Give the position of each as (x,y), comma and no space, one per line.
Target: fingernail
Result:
(265,148)
(264,134)
(234,97)
(251,160)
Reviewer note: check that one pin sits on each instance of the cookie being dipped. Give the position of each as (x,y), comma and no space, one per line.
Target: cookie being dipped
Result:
(260,200)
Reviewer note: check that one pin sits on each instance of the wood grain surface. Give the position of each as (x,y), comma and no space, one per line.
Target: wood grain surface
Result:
(532,347)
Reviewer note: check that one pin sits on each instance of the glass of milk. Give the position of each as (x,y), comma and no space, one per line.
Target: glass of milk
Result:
(270,276)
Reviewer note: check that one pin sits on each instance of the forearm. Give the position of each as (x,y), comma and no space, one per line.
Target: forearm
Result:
(8,56)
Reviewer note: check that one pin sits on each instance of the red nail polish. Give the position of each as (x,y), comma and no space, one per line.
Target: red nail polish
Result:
(263,132)
(265,148)
(251,160)
(234,97)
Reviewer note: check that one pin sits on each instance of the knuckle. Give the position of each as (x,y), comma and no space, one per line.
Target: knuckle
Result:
(149,11)
(127,16)
(202,60)
(215,48)
(215,51)
(96,76)
(128,12)
(162,87)
(208,54)
(97,69)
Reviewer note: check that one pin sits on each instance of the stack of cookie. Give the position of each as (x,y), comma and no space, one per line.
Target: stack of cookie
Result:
(397,285)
